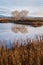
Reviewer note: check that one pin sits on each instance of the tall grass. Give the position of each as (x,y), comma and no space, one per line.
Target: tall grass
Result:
(29,54)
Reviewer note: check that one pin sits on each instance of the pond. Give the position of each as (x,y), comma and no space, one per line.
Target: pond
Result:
(6,33)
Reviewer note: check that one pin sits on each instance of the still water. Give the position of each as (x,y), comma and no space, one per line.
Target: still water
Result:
(8,35)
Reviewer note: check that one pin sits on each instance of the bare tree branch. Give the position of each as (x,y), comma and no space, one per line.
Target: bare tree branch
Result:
(18,14)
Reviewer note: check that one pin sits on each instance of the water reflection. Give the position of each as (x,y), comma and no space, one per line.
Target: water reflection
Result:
(7,36)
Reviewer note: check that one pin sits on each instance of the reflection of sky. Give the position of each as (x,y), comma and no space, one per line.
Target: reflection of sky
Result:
(9,34)
(5,26)
(34,6)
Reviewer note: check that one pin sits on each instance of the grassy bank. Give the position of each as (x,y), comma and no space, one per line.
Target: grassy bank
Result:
(30,54)
(38,21)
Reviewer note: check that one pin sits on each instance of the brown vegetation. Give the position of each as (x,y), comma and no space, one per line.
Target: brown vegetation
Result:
(30,54)
(24,21)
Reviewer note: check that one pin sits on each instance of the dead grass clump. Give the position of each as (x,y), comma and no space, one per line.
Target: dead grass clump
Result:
(30,54)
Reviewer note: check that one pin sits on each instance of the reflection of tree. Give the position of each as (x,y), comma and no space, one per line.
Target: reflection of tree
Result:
(21,29)
(20,14)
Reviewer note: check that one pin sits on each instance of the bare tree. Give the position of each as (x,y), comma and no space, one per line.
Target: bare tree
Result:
(18,15)
(23,13)
(15,13)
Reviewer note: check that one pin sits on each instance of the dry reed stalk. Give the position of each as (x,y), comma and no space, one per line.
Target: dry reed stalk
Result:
(30,54)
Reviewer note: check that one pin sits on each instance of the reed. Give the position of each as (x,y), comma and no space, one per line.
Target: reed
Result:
(29,54)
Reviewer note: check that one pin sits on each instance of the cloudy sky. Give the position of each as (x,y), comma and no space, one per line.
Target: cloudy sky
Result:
(34,6)
(11,3)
